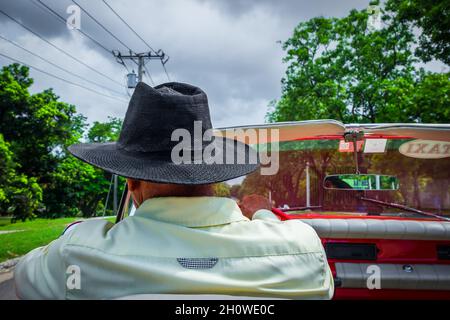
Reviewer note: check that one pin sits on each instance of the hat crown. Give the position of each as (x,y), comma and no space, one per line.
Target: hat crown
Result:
(154,113)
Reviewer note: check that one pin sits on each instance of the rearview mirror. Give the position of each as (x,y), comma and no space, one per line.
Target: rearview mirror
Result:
(374,182)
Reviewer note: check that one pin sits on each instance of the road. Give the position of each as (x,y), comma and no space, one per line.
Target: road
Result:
(7,291)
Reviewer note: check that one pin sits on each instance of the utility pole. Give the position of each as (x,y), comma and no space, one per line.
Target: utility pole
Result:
(115,194)
(140,68)
(140,60)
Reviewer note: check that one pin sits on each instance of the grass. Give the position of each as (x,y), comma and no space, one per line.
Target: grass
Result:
(4,221)
(37,233)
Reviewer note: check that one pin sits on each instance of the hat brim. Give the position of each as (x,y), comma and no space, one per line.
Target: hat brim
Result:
(152,167)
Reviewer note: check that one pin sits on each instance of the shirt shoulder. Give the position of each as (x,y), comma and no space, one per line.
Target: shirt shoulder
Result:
(89,233)
(293,235)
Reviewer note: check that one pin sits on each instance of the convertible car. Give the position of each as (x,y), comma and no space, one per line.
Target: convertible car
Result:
(378,195)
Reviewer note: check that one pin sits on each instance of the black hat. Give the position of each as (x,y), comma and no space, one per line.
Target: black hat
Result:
(146,144)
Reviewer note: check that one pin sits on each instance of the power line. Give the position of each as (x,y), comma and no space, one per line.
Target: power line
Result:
(62,20)
(165,70)
(125,66)
(147,73)
(141,58)
(60,78)
(129,27)
(58,48)
(163,62)
(101,25)
(59,67)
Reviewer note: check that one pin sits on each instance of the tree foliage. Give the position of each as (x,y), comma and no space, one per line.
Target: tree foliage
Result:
(105,131)
(38,175)
(20,196)
(432,17)
(37,126)
(80,188)
(338,68)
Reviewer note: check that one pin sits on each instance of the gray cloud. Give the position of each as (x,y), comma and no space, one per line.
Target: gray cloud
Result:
(292,10)
(229,48)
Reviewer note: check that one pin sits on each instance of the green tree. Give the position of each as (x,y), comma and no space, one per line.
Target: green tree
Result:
(432,18)
(37,171)
(78,187)
(424,100)
(105,131)
(37,126)
(341,69)
(20,196)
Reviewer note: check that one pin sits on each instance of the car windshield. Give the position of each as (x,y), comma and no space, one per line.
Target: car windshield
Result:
(422,168)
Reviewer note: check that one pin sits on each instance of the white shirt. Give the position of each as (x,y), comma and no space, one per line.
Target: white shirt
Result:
(180,245)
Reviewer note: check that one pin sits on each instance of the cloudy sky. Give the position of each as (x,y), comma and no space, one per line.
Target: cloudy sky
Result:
(229,48)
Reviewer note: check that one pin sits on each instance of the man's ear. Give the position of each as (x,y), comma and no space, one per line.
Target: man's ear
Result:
(133,184)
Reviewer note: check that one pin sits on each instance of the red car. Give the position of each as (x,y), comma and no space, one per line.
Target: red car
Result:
(382,209)
(378,195)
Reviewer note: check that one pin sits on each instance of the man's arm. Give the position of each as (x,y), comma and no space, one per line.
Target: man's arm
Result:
(252,203)
(256,207)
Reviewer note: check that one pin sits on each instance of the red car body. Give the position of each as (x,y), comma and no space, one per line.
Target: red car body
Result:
(411,251)
(389,251)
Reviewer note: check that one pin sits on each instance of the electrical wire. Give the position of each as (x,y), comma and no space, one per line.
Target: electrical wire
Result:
(102,26)
(61,19)
(125,66)
(147,73)
(165,70)
(129,27)
(60,78)
(58,48)
(134,31)
(59,67)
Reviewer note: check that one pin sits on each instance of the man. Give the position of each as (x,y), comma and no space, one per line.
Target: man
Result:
(181,239)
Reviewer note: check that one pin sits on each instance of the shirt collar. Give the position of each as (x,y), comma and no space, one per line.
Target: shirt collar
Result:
(191,211)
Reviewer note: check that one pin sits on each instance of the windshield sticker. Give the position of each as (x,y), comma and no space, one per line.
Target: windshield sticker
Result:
(348,146)
(375,145)
(425,149)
